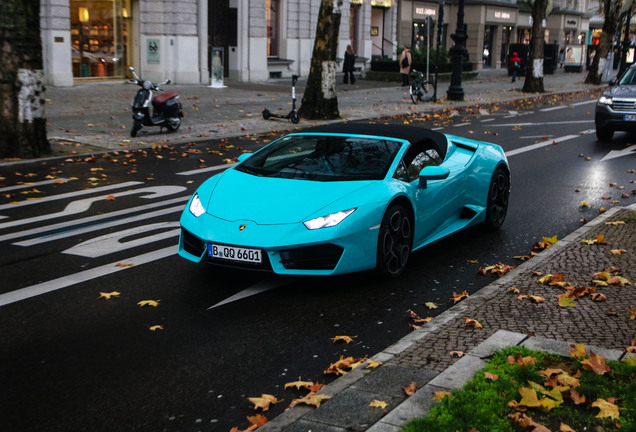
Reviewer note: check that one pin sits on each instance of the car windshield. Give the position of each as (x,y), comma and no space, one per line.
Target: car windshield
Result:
(629,78)
(324,158)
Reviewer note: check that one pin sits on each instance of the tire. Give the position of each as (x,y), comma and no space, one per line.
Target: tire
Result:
(174,124)
(604,133)
(414,91)
(266,114)
(294,117)
(498,197)
(135,128)
(426,91)
(394,242)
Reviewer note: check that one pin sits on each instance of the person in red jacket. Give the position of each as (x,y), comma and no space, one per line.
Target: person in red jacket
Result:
(514,64)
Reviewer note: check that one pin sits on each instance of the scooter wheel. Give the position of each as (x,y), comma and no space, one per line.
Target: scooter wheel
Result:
(174,124)
(135,128)
(294,117)
(266,115)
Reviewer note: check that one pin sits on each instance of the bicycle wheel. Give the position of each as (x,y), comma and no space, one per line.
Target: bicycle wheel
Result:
(415,90)
(426,91)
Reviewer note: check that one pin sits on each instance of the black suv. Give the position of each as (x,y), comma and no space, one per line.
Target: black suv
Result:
(616,108)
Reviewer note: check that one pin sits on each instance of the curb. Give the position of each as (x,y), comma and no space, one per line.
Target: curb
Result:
(461,371)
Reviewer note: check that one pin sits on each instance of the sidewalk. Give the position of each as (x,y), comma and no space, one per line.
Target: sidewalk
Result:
(424,355)
(98,114)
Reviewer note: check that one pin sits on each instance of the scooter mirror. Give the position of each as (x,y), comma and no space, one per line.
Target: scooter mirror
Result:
(132,69)
(167,81)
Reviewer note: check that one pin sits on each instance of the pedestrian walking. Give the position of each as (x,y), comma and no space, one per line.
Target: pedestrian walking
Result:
(515,65)
(348,66)
(405,65)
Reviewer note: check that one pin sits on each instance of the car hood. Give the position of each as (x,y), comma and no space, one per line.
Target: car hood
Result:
(268,201)
(627,91)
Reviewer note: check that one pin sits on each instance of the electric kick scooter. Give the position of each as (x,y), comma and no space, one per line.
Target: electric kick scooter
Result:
(293,114)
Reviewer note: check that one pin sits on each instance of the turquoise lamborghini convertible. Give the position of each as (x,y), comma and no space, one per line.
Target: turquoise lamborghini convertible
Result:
(345,198)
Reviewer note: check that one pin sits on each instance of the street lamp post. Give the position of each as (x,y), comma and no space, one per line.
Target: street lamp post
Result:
(458,53)
(440,30)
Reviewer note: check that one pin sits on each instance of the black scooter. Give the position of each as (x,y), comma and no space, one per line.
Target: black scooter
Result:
(166,108)
(293,114)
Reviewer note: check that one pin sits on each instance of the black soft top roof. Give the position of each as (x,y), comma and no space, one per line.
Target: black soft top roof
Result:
(413,134)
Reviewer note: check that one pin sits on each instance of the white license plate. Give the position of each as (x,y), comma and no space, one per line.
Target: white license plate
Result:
(629,117)
(233,253)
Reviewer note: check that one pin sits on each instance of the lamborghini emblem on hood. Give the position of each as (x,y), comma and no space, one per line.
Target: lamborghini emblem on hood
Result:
(242,227)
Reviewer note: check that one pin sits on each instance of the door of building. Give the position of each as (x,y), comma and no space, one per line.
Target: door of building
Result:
(222,31)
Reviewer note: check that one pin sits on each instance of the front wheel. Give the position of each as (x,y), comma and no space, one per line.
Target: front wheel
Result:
(394,241)
(604,133)
(498,196)
(294,117)
(135,128)
(426,91)
(174,124)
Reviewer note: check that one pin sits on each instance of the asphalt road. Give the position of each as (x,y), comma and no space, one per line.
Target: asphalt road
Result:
(70,360)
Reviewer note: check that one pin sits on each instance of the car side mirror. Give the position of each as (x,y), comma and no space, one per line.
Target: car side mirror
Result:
(432,173)
(244,156)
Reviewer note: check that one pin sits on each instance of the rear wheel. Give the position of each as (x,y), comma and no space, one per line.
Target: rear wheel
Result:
(414,91)
(394,242)
(426,92)
(604,133)
(498,196)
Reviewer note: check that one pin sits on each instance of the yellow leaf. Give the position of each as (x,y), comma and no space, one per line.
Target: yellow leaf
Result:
(565,428)
(124,265)
(155,327)
(608,410)
(378,404)
(311,399)
(632,313)
(472,322)
(439,395)
(459,297)
(299,384)
(107,296)
(552,240)
(566,302)
(347,339)
(430,305)
(528,397)
(374,364)
(596,363)
(264,401)
(545,279)
(153,303)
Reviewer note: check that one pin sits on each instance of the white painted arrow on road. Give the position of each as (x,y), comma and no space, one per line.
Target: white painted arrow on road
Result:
(619,153)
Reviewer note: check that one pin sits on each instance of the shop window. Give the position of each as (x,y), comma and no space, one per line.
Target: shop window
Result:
(99,38)
(272,9)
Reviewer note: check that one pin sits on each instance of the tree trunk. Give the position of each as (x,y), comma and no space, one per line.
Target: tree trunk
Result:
(611,11)
(320,100)
(534,67)
(22,124)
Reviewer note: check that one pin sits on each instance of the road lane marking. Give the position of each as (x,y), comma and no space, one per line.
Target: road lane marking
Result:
(100,226)
(70,195)
(80,206)
(112,242)
(205,170)
(543,123)
(545,143)
(84,276)
(554,108)
(72,225)
(35,184)
(591,101)
(257,288)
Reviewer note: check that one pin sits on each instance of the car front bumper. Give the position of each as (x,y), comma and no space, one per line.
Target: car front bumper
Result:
(620,115)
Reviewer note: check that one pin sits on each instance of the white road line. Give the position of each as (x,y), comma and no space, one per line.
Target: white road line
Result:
(591,101)
(554,108)
(257,288)
(461,124)
(543,123)
(83,276)
(35,184)
(83,230)
(544,144)
(70,195)
(487,120)
(80,206)
(205,170)
(89,219)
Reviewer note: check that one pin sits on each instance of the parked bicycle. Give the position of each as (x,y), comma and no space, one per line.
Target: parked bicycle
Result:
(421,89)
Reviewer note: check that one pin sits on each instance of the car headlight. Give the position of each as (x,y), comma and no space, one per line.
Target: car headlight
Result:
(196,208)
(605,100)
(329,220)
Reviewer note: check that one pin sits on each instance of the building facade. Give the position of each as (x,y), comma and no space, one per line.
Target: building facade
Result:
(492,26)
(255,39)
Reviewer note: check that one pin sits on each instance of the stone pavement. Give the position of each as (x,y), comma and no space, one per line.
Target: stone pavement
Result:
(98,114)
(424,356)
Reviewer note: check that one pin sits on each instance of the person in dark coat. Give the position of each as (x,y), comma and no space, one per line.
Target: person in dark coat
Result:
(515,65)
(348,66)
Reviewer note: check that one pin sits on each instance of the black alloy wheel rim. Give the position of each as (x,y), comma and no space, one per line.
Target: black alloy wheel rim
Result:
(396,243)
(499,194)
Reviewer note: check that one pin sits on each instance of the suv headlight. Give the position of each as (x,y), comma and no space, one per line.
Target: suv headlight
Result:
(605,100)
(196,208)
(329,220)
